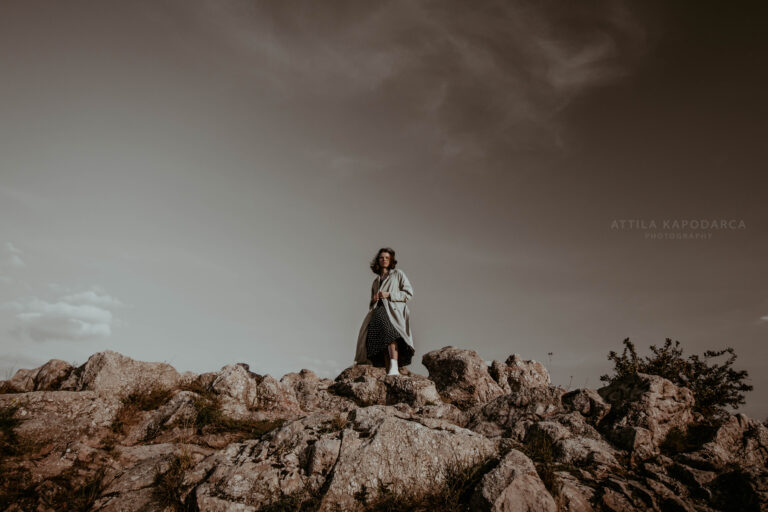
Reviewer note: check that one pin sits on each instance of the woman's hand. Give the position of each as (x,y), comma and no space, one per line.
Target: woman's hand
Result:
(384,295)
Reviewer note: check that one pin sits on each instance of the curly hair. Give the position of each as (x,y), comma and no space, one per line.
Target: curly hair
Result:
(392,261)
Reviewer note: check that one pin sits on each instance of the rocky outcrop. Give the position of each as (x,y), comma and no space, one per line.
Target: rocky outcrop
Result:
(644,408)
(113,374)
(45,378)
(246,395)
(461,377)
(513,485)
(367,385)
(516,374)
(117,434)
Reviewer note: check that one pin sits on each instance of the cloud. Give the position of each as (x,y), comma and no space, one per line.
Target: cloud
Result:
(765,318)
(80,316)
(472,78)
(12,256)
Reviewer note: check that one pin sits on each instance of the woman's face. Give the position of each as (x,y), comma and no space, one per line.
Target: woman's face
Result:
(384,259)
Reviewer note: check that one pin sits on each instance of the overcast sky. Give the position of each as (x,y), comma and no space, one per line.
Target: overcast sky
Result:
(205,183)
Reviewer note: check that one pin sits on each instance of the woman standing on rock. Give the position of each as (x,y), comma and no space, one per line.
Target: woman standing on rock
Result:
(385,337)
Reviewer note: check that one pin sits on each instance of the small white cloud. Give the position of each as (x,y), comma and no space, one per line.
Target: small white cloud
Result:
(12,256)
(93,298)
(78,316)
(764,318)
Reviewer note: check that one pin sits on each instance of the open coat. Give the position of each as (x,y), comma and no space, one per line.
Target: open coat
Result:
(400,292)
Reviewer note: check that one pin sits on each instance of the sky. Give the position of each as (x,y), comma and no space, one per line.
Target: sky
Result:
(206,182)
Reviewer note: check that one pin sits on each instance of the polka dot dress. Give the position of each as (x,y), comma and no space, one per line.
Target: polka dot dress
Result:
(381,333)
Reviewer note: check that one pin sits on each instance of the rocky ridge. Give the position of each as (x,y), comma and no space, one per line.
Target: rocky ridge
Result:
(117,434)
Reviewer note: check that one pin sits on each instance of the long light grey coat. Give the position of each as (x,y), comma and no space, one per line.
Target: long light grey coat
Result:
(400,292)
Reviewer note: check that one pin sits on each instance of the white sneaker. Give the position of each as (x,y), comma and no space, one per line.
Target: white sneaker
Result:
(393,368)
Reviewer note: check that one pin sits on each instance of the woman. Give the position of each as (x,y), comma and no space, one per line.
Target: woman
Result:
(385,337)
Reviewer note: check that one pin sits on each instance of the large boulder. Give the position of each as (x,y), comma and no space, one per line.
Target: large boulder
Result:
(461,377)
(558,441)
(510,415)
(131,485)
(739,440)
(513,486)
(112,374)
(517,373)
(588,403)
(384,451)
(61,417)
(362,452)
(247,395)
(293,460)
(644,408)
(47,377)
(313,393)
(368,385)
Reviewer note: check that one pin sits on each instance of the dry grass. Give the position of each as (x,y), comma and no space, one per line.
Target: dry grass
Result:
(11,444)
(210,419)
(452,495)
(75,489)
(169,488)
(338,423)
(136,402)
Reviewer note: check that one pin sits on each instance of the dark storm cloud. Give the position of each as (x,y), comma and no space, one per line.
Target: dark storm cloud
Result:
(470,78)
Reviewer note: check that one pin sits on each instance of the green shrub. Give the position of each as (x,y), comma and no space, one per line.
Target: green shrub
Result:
(714,386)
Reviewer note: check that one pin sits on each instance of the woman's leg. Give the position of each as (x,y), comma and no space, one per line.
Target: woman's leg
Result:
(392,352)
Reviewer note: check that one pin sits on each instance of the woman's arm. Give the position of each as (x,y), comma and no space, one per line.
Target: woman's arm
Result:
(405,293)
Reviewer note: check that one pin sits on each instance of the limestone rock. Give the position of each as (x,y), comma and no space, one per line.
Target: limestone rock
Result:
(47,377)
(461,377)
(588,403)
(246,395)
(644,408)
(368,385)
(60,417)
(384,450)
(313,393)
(570,494)
(514,485)
(113,374)
(510,414)
(739,440)
(516,374)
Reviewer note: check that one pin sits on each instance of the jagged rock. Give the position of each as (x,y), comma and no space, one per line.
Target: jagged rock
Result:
(516,374)
(557,440)
(312,392)
(742,489)
(178,410)
(132,488)
(588,403)
(246,395)
(384,450)
(511,414)
(514,485)
(258,473)
(47,377)
(620,495)
(113,374)
(333,454)
(644,408)
(738,440)
(61,417)
(570,494)
(443,411)
(461,377)
(368,385)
